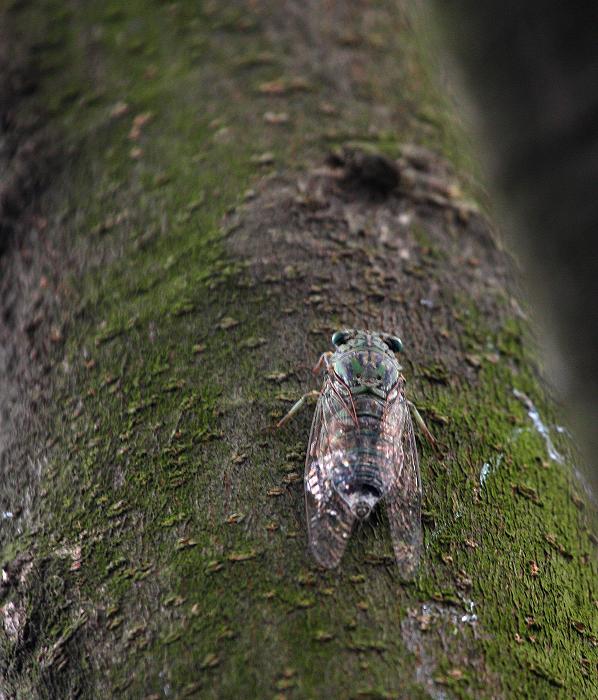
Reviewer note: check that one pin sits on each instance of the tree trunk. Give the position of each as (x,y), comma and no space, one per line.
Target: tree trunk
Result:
(234,184)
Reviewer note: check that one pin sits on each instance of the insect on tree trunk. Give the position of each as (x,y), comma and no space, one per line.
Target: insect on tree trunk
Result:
(236,183)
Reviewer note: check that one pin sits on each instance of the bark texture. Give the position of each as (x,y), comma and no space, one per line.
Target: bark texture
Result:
(237,182)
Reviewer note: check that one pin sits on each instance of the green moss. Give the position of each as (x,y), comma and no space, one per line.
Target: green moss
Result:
(500,523)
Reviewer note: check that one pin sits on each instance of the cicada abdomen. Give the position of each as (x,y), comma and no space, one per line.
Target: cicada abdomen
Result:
(362,450)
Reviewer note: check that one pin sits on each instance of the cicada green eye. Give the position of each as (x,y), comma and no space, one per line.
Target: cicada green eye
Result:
(340,337)
(394,343)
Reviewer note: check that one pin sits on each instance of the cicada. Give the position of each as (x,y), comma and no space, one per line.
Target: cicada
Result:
(362,449)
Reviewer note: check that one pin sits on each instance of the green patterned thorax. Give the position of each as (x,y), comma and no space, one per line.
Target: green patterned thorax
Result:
(365,362)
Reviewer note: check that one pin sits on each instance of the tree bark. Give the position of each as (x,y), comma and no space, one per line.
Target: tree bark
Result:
(235,184)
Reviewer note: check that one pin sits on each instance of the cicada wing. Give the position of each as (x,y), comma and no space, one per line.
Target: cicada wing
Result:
(329,519)
(329,528)
(403,500)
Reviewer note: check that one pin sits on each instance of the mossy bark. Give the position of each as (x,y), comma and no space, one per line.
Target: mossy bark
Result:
(202,250)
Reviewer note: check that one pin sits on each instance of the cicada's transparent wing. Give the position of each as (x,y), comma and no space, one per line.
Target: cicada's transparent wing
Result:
(329,519)
(403,500)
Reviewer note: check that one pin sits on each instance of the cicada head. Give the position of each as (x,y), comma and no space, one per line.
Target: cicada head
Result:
(365,362)
(349,338)
(393,342)
(340,338)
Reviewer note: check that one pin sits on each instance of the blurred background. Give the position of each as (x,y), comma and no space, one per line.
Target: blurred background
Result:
(529,75)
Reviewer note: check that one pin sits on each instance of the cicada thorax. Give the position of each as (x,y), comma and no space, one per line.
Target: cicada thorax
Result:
(363,382)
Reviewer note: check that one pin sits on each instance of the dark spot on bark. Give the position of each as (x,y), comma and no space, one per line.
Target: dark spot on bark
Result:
(370,173)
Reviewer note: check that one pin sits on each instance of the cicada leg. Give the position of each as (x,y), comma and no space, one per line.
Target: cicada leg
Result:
(296,408)
(424,428)
(323,361)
